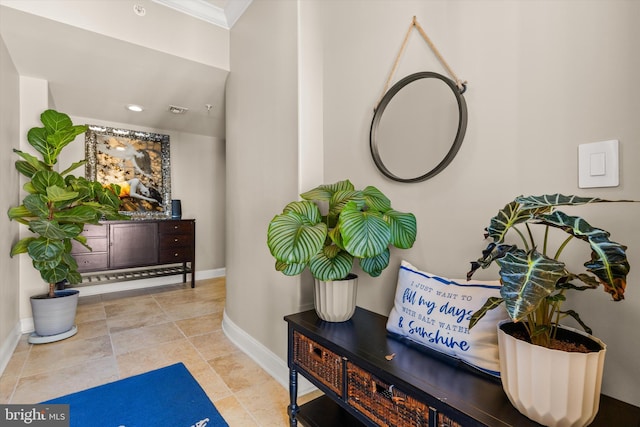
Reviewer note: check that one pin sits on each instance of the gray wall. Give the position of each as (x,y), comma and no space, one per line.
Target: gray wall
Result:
(9,139)
(262,166)
(543,77)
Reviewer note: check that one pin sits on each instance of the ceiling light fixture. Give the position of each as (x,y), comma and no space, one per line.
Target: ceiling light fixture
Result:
(134,107)
(177,110)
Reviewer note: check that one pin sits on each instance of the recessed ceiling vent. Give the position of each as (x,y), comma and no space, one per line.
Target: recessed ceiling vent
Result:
(177,110)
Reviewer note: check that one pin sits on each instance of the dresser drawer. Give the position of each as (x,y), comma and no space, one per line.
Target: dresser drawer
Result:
(175,241)
(91,230)
(175,227)
(180,254)
(383,403)
(92,261)
(322,364)
(97,244)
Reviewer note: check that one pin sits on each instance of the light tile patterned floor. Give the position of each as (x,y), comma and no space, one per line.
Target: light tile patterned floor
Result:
(128,333)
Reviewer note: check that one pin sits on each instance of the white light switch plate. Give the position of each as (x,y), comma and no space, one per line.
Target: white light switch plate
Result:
(598,164)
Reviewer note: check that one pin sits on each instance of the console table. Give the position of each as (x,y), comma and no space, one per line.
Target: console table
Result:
(363,384)
(137,249)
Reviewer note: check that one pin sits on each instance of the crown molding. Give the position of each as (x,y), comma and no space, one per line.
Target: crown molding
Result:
(206,11)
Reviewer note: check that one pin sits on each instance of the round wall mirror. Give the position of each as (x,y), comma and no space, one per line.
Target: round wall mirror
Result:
(418,127)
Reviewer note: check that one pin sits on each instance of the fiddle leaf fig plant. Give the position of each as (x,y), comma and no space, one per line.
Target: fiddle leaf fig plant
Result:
(358,224)
(534,280)
(58,204)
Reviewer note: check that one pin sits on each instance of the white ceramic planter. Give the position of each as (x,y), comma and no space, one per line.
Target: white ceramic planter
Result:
(335,301)
(552,387)
(54,317)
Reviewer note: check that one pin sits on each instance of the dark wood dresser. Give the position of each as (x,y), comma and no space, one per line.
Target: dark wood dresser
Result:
(150,247)
(351,363)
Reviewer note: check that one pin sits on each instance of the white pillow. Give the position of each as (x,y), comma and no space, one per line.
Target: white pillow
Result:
(434,311)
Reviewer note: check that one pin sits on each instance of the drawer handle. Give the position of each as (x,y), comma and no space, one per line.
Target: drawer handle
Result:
(175,227)
(176,254)
(316,351)
(387,393)
(175,240)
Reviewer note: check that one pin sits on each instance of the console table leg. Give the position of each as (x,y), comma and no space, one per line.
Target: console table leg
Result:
(293,397)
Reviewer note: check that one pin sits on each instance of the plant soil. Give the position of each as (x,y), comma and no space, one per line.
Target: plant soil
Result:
(566,340)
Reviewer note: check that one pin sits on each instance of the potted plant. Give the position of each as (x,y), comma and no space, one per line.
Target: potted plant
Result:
(56,208)
(534,284)
(356,224)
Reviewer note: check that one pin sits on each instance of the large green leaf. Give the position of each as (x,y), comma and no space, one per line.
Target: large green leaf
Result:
(61,131)
(109,197)
(293,239)
(58,132)
(364,234)
(375,199)
(30,165)
(340,199)
(308,210)
(44,179)
(30,159)
(608,260)
(331,264)
(290,269)
(551,200)
(55,121)
(491,253)
(375,265)
(37,205)
(78,214)
(609,263)
(43,249)
(326,191)
(53,230)
(18,212)
(37,137)
(25,168)
(506,218)
(73,277)
(63,137)
(55,275)
(527,278)
(21,246)
(403,228)
(59,194)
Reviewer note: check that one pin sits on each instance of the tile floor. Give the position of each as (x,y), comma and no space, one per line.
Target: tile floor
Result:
(128,333)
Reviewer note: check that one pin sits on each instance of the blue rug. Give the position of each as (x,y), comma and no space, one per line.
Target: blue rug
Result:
(167,397)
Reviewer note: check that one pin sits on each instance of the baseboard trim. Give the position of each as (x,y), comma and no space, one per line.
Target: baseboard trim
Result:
(264,357)
(9,346)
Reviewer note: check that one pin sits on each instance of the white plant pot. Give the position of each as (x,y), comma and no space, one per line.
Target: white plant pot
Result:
(552,387)
(54,318)
(335,301)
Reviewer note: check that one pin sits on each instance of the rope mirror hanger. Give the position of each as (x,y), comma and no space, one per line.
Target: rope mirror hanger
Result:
(425,112)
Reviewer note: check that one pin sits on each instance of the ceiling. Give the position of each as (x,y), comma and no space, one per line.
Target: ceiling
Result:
(95,76)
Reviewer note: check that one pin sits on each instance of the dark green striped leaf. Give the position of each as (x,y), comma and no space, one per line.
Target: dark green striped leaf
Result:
(527,278)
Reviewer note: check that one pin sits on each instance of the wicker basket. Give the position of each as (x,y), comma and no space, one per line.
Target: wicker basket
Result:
(444,421)
(321,363)
(383,403)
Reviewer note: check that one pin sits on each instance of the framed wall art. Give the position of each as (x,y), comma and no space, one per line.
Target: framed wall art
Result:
(139,162)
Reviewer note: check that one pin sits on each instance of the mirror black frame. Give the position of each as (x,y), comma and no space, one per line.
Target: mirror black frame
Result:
(457,142)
